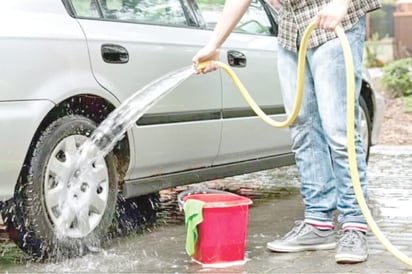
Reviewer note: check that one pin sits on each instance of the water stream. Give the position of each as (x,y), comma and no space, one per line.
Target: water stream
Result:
(74,204)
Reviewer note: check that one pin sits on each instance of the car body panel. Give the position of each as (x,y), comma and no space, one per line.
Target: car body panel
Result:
(161,148)
(55,52)
(18,121)
(260,79)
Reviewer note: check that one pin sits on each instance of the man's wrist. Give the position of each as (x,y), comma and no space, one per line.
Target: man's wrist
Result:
(345,2)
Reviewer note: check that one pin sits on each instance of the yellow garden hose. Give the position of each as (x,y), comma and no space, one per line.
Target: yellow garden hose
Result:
(350,125)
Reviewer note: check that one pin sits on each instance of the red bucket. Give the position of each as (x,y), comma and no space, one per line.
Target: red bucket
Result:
(222,234)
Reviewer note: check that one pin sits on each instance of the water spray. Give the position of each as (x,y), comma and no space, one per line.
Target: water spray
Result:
(74,204)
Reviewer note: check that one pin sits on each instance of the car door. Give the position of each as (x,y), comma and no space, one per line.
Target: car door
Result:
(182,131)
(250,50)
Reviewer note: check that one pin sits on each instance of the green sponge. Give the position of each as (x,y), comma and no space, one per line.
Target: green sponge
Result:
(193,216)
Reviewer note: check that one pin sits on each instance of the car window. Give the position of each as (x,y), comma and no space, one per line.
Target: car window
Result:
(163,12)
(168,12)
(85,8)
(255,20)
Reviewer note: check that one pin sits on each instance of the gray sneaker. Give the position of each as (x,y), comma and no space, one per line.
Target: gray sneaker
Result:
(304,237)
(352,247)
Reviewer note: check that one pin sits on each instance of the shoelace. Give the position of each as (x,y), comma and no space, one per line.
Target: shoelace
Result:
(349,237)
(299,226)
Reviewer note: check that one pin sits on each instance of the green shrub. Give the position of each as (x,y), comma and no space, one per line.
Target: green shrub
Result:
(407,104)
(397,77)
(371,50)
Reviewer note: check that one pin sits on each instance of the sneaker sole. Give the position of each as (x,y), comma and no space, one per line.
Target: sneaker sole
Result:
(349,258)
(281,248)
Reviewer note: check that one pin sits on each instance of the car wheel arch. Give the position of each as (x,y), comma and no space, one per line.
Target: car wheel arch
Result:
(90,106)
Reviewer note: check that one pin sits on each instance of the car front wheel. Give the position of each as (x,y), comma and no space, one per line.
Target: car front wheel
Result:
(43,188)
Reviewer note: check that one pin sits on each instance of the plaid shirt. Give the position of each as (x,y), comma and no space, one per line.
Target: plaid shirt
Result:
(295,16)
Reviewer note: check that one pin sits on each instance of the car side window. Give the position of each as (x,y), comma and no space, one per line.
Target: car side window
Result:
(164,12)
(85,8)
(254,21)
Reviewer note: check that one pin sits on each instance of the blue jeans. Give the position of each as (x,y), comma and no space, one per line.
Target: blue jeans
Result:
(319,134)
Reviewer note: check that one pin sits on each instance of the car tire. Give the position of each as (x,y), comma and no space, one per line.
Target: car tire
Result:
(37,230)
(365,126)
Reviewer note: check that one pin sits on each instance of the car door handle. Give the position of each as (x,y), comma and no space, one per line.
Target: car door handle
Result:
(115,54)
(236,58)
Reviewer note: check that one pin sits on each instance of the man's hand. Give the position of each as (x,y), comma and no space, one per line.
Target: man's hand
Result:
(332,14)
(208,53)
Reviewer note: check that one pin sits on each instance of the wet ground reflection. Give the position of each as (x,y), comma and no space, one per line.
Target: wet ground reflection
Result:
(390,197)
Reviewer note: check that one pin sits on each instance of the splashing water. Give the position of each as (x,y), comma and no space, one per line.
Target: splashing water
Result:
(74,206)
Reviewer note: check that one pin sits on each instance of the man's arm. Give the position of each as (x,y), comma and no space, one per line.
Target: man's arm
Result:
(233,11)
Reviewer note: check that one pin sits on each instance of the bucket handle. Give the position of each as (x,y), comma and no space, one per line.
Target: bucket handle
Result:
(196,191)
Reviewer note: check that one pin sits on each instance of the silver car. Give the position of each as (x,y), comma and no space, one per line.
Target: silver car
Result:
(65,65)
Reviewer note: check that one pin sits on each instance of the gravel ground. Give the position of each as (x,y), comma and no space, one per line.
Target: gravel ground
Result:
(397,125)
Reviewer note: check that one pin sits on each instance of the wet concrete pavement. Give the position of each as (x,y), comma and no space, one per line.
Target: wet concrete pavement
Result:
(162,250)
